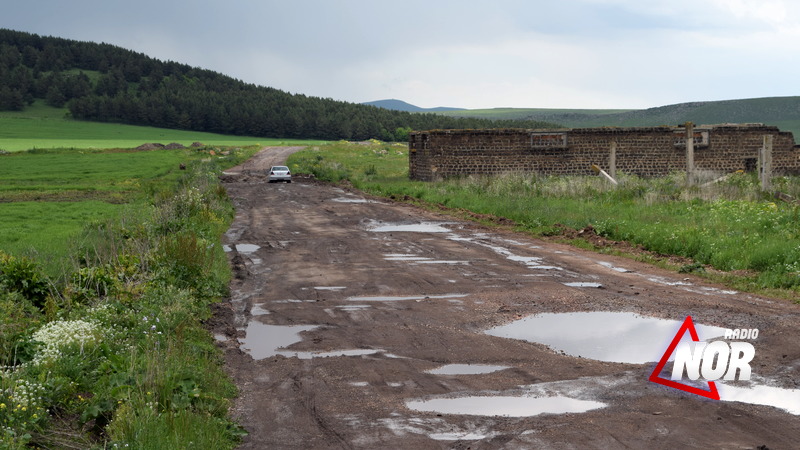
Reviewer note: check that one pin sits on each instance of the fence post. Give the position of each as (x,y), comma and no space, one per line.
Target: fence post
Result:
(765,163)
(690,153)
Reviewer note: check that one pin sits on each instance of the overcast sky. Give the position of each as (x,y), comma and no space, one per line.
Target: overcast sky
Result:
(462,53)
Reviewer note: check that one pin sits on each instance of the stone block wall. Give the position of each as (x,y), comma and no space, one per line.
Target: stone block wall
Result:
(647,151)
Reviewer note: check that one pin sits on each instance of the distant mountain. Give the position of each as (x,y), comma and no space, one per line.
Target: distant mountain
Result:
(399,105)
(783,112)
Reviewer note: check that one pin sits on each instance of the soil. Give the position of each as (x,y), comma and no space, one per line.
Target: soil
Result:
(316,252)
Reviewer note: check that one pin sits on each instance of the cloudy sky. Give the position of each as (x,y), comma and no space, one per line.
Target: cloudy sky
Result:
(463,53)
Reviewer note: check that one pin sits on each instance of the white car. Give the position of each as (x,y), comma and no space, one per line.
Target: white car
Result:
(280,173)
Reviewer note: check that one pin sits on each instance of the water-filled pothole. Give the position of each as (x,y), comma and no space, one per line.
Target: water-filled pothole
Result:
(465,369)
(424,227)
(241,248)
(589,284)
(262,340)
(622,337)
(786,399)
(384,298)
(350,200)
(507,406)
(258,310)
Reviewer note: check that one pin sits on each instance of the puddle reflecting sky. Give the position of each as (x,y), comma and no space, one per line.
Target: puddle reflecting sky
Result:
(504,406)
(414,228)
(465,369)
(262,341)
(589,284)
(606,336)
(786,399)
(397,299)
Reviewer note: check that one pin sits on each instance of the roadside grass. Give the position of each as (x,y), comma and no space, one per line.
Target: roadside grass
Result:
(102,305)
(41,126)
(731,231)
(48,196)
(47,231)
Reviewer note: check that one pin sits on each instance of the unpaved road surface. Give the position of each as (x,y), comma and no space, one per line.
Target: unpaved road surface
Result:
(334,323)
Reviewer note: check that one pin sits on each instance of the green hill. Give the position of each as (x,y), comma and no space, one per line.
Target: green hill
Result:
(104,83)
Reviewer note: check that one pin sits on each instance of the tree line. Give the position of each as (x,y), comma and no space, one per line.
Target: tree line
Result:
(102,82)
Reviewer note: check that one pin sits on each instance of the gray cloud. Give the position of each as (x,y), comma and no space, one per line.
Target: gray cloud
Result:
(579,53)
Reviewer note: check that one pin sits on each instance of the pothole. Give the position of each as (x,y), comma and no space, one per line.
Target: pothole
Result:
(786,399)
(621,337)
(589,284)
(242,248)
(262,340)
(466,369)
(424,227)
(384,298)
(350,200)
(506,406)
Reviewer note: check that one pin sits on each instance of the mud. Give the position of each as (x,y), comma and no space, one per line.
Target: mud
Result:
(372,384)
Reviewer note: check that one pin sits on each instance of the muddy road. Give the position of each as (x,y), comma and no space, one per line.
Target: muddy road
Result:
(356,322)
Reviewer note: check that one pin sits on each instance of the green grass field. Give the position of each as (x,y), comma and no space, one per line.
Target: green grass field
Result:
(126,244)
(41,126)
(48,196)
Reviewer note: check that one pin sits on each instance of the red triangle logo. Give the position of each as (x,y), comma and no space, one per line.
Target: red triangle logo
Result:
(688,325)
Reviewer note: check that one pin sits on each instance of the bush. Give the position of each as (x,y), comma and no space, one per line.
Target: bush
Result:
(25,276)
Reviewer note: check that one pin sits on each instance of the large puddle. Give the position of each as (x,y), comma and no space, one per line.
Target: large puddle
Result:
(606,336)
(465,369)
(425,227)
(262,341)
(504,406)
(786,399)
(384,298)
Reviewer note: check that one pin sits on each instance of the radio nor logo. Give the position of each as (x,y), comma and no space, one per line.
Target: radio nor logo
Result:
(706,361)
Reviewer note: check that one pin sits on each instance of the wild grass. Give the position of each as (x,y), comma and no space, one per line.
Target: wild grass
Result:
(730,225)
(48,196)
(110,351)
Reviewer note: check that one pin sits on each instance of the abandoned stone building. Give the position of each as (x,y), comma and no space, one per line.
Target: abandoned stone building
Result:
(646,151)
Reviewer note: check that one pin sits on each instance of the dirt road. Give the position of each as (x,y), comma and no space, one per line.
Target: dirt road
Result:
(343,304)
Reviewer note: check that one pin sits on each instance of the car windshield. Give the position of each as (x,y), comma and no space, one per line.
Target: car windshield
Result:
(274,168)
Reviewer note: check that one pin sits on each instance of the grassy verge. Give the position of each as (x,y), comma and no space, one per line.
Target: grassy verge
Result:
(730,230)
(112,352)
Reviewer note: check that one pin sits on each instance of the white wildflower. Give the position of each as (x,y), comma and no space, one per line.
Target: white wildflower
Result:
(58,335)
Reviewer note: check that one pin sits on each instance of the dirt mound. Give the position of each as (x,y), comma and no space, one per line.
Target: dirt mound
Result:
(151,146)
(174,146)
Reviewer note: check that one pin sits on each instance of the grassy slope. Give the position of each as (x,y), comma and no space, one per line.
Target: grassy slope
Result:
(783,112)
(42,126)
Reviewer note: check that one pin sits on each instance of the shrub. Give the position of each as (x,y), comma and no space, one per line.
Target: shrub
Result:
(25,276)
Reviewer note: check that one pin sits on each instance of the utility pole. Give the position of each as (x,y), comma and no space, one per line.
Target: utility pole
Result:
(689,153)
(612,160)
(765,163)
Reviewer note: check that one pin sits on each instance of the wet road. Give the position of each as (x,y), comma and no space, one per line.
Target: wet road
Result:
(360,323)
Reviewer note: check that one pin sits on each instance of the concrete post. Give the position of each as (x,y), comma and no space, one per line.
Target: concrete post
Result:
(612,160)
(690,153)
(765,163)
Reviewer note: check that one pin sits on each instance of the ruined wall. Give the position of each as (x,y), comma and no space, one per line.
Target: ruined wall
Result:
(648,152)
